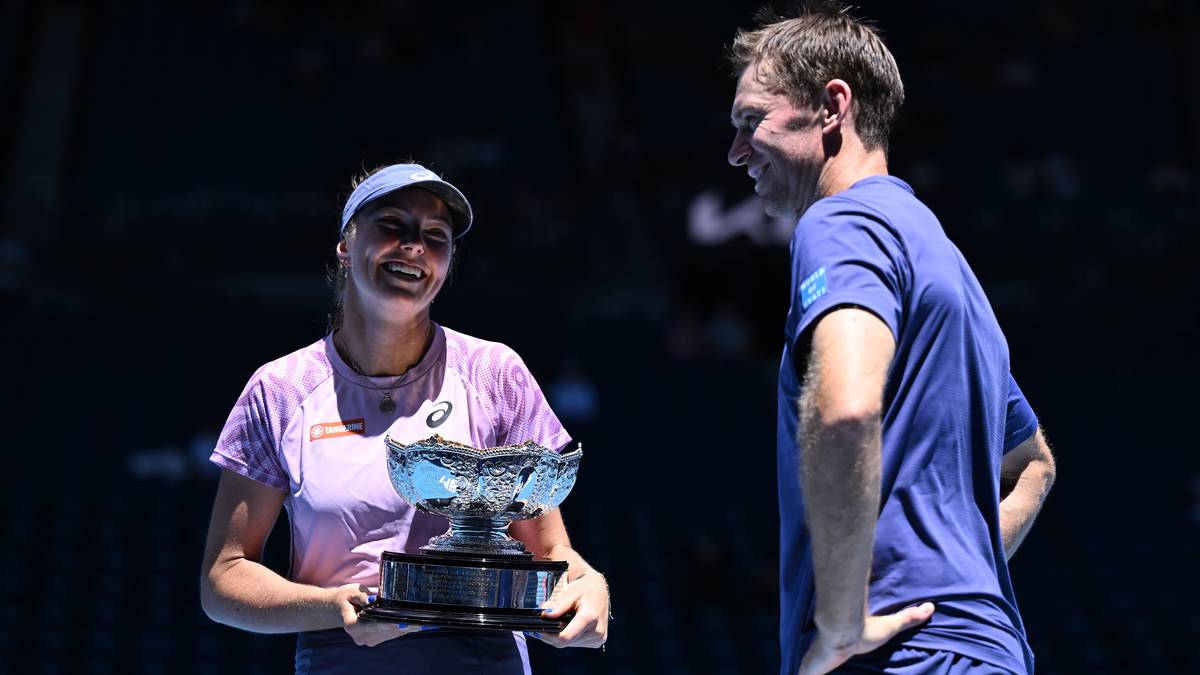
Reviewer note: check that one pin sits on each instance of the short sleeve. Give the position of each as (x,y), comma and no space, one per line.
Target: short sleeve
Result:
(1020,423)
(247,445)
(847,256)
(522,410)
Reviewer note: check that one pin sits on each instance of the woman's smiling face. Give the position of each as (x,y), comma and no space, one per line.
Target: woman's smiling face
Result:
(399,253)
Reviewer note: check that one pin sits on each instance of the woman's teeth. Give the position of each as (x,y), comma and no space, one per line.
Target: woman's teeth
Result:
(407,270)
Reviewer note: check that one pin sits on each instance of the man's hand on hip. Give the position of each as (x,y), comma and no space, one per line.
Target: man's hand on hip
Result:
(827,653)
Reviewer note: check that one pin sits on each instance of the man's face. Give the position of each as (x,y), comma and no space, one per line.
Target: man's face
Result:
(399,256)
(779,143)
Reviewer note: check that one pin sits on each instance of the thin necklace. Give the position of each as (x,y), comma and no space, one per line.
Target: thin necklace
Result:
(387,405)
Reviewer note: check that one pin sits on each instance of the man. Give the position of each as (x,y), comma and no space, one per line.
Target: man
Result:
(910,465)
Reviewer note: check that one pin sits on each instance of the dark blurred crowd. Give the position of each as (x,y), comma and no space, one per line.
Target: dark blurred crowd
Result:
(172,179)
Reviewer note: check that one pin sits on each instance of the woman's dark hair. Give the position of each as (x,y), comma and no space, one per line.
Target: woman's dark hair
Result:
(336,274)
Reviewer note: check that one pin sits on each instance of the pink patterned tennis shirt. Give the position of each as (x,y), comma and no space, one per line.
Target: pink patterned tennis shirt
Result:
(309,425)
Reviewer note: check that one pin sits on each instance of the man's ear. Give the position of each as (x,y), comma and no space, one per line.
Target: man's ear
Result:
(835,105)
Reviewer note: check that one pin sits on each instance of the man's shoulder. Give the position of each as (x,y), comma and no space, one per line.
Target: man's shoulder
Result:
(878,202)
(875,196)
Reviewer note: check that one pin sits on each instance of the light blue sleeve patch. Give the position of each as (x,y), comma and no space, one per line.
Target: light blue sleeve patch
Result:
(812,288)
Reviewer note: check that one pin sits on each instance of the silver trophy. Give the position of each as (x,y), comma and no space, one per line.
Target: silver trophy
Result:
(475,575)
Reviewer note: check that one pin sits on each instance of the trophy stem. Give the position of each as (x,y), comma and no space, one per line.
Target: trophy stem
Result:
(479,529)
(477,534)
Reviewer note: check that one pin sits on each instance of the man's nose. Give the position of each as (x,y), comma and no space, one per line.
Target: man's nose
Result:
(739,152)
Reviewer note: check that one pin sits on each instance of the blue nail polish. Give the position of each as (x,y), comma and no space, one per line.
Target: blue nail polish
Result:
(547,610)
(401,625)
(429,627)
(370,598)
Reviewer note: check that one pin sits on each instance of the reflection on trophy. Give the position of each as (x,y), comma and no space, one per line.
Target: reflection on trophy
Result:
(474,575)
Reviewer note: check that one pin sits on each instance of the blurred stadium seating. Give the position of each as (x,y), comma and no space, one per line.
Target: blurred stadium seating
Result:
(208,148)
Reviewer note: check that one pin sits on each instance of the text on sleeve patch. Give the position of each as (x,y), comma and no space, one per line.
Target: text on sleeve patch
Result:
(812,288)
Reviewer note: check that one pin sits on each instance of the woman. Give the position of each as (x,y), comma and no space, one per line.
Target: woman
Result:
(307,434)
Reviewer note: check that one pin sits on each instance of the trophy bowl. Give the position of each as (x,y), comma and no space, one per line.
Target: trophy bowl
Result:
(480,491)
(475,575)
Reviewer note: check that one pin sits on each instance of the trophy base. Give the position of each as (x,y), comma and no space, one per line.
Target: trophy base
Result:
(466,591)
(452,616)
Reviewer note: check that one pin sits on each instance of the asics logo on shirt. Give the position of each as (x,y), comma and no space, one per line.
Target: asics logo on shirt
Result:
(441,410)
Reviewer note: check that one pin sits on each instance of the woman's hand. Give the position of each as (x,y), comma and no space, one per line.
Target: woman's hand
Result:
(587,598)
(349,600)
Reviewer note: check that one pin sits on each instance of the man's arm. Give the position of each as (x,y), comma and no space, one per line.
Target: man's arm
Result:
(841,416)
(1026,474)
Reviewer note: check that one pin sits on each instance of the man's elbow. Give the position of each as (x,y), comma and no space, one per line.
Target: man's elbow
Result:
(1044,460)
(848,419)
(1049,471)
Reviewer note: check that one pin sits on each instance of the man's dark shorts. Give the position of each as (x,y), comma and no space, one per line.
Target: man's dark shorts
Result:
(907,661)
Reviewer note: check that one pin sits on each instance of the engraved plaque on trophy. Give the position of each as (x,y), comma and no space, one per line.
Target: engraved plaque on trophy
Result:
(475,575)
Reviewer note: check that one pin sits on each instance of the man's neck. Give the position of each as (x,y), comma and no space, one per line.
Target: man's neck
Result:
(848,167)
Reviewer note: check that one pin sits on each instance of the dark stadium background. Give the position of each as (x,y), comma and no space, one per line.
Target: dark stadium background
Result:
(170,181)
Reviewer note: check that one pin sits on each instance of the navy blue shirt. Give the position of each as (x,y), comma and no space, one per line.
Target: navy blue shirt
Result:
(951,410)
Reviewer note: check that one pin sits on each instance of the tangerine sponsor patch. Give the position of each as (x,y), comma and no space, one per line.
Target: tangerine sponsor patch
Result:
(323,430)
